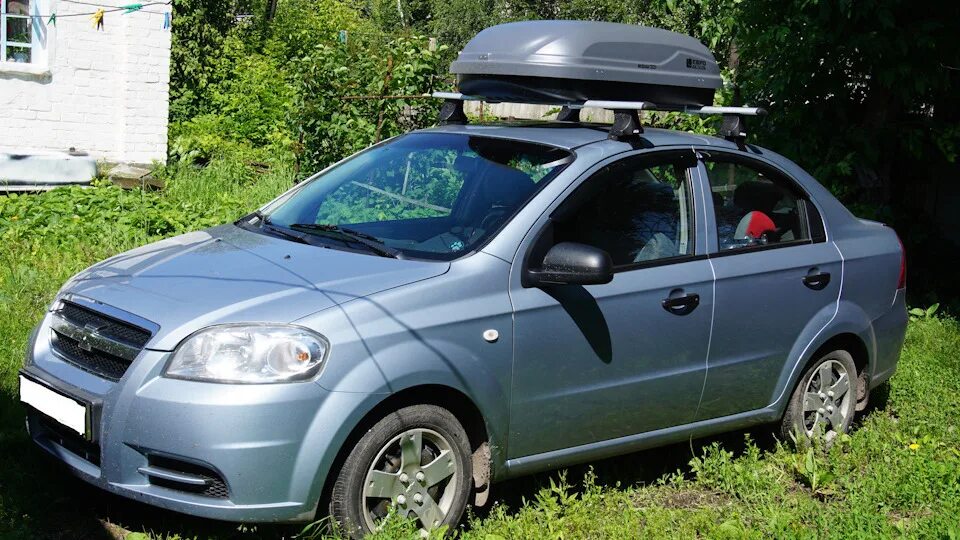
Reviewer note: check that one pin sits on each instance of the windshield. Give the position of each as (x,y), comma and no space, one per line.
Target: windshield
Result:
(423,195)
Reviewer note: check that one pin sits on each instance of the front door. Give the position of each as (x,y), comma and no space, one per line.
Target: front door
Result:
(603,361)
(778,282)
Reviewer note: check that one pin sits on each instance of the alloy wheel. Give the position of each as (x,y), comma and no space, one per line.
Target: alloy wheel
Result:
(415,473)
(826,400)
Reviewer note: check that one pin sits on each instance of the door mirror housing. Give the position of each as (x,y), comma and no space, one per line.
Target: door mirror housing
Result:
(570,263)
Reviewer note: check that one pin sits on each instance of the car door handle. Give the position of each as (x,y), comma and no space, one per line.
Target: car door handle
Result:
(818,281)
(681,305)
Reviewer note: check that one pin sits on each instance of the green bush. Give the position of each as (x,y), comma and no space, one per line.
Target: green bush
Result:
(194,198)
(334,128)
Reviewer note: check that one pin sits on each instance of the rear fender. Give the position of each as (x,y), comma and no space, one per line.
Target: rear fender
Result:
(833,320)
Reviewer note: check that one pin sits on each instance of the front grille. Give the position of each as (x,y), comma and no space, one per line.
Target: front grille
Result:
(216,487)
(97,362)
(95,342)
(110,327)
(70,440)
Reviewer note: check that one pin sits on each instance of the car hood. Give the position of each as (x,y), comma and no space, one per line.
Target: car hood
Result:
(229,275)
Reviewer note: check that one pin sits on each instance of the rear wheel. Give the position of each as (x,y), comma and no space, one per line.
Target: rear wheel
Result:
(824,402)
(415,461)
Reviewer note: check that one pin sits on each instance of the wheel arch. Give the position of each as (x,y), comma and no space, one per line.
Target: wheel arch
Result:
(447,397)
(849,329)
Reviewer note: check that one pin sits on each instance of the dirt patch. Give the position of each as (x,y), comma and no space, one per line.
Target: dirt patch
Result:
(683,499)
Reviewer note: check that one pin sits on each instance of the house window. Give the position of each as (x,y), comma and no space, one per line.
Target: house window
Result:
(22,32)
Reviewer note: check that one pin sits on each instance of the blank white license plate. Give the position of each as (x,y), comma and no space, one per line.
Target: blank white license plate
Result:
(61,408)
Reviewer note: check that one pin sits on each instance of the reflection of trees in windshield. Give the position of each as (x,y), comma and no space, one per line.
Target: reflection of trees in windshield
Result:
(431,195)
(534,171)
(419,184)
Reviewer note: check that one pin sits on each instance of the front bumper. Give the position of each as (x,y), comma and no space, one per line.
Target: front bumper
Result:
(269,445)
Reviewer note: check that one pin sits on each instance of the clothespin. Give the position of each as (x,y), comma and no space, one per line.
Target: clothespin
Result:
(166,20)
(130,8)
(52,21)
(98,19)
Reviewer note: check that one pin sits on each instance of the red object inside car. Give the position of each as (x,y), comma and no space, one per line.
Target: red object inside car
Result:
(757,224)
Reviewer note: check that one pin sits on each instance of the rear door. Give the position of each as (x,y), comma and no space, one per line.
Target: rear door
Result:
(777,279)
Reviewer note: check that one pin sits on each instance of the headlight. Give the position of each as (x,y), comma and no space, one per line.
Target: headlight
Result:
(249,354)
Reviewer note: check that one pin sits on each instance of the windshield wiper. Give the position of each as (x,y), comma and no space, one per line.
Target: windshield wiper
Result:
(371,242)
(290,235)
(335,228)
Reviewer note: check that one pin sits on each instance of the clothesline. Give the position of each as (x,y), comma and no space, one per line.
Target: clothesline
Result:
(130,8)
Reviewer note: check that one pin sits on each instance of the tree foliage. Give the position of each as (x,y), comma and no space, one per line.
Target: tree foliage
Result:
(200,28)
(863,93)
(333,127)
(860,93)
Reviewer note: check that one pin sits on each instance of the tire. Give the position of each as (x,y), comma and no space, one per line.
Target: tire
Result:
(823,410)
(381,471)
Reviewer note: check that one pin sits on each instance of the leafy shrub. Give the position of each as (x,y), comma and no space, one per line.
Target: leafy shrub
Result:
(206,137)
(63,215)
(197,59)
(334,128)
(921,313)
(193,198)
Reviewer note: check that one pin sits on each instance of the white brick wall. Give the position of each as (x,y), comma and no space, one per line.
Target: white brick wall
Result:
(106,92)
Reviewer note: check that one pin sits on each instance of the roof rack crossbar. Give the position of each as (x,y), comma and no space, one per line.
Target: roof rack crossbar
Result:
(620,105)
(626,123)
(455,96)
(627,105)
(740,111)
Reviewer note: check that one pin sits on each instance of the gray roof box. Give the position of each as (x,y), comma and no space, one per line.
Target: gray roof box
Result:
(564,62)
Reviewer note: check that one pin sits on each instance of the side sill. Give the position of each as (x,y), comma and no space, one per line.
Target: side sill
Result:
(632,443)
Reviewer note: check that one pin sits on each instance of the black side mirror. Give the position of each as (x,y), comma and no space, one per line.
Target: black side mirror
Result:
(570,263)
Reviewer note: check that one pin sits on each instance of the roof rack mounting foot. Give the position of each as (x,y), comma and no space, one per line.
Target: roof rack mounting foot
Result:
(568,114)
(626,125)
(734,129)
(452,112)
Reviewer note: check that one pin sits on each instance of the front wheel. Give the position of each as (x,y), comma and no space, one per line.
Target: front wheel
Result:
(415,460)
(825,401)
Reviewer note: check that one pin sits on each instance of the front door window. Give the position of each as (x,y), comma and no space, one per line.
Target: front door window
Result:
(636,213)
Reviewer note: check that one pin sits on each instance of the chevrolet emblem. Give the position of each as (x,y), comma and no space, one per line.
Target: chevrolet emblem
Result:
(90,332)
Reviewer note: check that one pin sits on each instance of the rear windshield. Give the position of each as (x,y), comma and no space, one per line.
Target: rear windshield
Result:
(423,195)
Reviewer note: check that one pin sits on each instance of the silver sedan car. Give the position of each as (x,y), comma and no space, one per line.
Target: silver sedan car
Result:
(462,305)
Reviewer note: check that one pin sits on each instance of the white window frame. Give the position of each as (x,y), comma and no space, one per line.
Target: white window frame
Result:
(41,38)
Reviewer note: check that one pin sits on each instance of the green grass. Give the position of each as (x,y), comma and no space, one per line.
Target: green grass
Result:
(897,475)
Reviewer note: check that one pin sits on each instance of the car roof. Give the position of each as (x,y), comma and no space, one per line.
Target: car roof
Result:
(571,135)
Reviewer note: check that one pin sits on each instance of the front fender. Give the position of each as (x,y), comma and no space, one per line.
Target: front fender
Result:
(407,365)
(428,333)
(447,363)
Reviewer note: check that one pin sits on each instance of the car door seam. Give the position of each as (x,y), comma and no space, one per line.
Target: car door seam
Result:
(813,340)
(713,283)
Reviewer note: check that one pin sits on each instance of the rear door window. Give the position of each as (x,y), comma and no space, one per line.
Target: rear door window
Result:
(755,208)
